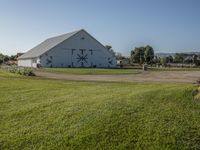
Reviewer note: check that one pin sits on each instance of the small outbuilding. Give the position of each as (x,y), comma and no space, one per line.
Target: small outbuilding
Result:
(75,49)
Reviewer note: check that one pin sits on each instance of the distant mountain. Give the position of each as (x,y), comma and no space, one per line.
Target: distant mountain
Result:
(161,54)
(164,54)
(196,53)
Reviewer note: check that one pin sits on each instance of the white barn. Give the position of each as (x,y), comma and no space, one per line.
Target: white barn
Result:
(75,49)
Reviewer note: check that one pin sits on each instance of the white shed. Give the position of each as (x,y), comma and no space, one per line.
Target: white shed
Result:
(75,49)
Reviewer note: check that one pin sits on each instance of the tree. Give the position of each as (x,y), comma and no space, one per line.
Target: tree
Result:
(164,60)
(179,58)
(126,61)
(170,59)
(132,56)
(13,57)
(138,55)
(3,58)
(142,55)
(148,54)
(109,48)
(119,56)
(196,60)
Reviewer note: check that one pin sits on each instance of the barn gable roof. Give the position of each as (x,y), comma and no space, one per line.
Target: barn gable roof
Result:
(47,45)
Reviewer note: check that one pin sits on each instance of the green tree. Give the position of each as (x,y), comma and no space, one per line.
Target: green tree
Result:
(132,59)
(138,56)
(148,54)
(179,58)
(196,60)
(3,58)
(164,60)
(13,57)
(170,59)
(142,54)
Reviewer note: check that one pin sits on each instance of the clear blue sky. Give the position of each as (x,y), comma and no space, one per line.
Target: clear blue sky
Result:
(167,25)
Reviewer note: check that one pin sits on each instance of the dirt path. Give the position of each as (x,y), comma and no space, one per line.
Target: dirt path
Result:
(149,76)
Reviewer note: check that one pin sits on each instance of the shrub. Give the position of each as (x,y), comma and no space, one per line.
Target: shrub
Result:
(19,70)
(27,72)
(195,92)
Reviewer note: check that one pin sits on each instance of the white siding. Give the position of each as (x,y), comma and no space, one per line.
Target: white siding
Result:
(81,50)
(28,62)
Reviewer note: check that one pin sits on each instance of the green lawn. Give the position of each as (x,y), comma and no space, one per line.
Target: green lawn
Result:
(50,114)
(93,71)
(101,71)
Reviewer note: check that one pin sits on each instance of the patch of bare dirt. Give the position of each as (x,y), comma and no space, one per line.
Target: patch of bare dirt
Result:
(148,76)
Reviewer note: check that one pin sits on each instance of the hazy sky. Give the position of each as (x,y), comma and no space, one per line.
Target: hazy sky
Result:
(167,25)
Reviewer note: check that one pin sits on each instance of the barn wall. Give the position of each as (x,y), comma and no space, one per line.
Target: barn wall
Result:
(28,63)
(25,63)
(79,51)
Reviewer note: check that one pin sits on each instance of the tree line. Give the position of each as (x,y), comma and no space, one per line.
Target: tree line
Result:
(6,58)
(146,55)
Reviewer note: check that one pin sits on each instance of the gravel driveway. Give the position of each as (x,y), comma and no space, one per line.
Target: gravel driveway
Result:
(148,76)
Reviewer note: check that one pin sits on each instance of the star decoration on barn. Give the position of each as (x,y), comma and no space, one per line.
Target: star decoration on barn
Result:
(82,59)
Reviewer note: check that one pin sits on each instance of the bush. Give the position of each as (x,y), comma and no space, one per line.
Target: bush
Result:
(19,70)
(27,72)
(195,92)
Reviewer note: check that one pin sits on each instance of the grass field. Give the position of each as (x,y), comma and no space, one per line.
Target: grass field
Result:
(101,71)
(93,70)
(50,114)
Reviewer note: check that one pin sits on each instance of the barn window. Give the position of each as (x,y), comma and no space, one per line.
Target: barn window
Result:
(82,38)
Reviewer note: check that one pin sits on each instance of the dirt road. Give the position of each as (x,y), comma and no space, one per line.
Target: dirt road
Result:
(149,76)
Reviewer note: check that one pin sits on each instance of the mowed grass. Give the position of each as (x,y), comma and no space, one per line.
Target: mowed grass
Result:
(93,71)
(50,114)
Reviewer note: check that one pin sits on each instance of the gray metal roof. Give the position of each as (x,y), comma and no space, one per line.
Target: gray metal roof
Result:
(47,45)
